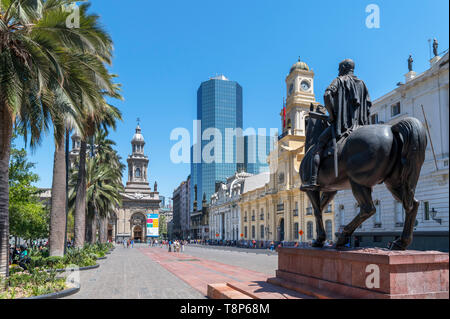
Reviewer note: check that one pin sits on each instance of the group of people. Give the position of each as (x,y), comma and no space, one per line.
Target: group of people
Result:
(20,256)
(176,245)
(127,243)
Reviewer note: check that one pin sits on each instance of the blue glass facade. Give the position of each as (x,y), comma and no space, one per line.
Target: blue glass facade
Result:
(257,148)
(219,105)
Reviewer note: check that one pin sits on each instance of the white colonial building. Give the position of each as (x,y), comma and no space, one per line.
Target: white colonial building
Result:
(224,212)
(426,97)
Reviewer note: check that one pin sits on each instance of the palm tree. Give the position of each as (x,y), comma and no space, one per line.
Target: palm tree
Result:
(103,186)
(40,55)
(88,80)
(104,116)
(29,70)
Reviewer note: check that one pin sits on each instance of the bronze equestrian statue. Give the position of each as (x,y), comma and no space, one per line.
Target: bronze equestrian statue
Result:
(343,151)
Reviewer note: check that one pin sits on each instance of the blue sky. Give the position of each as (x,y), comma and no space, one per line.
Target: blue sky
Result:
(165,49)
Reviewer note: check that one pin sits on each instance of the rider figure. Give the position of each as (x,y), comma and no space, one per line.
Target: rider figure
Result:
(348,104)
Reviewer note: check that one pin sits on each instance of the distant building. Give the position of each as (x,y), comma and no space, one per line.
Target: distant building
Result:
(130,221)
(181,212)
(257,149)
(224,212)
(429,90)
(219,106)
(272,205)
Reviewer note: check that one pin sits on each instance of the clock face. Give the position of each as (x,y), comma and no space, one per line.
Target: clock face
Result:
(305,85)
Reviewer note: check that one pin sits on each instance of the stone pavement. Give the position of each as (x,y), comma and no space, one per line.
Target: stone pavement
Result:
(198,272)
(251,259)
(129,274)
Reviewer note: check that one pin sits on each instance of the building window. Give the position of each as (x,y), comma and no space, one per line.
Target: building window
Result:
(253,215)
(295,230)
(377,239)
(309,209)
(262,231)
(262,214)
(377,221)
(309,230)
(245,219)
(426,210)
(399,214)
(395,109)
(341,215)
(374,118)
(329,229)
(296,209)
(329,209)
(253,232)
(245,232)
(280,207)
(138,172)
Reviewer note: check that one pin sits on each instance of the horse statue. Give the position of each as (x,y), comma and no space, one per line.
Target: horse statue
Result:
(370,155)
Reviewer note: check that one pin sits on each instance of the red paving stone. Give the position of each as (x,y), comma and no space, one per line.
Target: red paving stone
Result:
(199,272)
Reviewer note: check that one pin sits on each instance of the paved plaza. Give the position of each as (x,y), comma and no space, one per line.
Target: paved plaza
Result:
(145,272)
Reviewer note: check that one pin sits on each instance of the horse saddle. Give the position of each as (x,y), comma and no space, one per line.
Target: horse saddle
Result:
(329,149)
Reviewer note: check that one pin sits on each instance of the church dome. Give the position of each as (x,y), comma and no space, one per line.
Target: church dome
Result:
(299,65)
(138,137)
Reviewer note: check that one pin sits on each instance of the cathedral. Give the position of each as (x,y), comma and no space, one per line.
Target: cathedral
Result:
(138,216)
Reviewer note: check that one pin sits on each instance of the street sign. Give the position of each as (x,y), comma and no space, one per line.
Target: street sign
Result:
(242,235)
(300,232)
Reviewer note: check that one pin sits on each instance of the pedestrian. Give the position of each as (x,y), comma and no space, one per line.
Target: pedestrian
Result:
(132,243)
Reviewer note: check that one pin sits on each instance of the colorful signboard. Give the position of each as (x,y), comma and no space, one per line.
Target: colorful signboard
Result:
(152,225)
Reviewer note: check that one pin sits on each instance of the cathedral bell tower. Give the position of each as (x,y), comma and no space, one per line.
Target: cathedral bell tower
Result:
(138,164)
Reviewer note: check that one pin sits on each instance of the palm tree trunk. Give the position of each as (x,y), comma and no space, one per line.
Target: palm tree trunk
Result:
(80,200)
(5,148)
(58,210)
(103,231)
(88,228)
(93,230)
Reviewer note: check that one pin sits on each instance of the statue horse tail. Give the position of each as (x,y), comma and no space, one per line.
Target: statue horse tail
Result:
(413,140)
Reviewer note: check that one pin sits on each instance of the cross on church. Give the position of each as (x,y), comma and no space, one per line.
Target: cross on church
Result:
(138,120)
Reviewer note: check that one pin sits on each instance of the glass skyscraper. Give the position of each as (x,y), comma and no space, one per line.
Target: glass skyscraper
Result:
(257,148)
(219,106)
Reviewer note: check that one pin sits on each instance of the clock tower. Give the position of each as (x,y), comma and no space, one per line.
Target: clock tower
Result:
(300,95)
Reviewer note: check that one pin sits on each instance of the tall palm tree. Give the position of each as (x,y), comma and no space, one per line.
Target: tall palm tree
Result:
(103,186)
(40,55)
(29,70)
(89,82)
(104,116)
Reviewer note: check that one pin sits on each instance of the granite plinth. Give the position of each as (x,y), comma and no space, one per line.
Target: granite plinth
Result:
(354,273)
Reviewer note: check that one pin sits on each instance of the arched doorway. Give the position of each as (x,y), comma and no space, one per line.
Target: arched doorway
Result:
(137,233)
(281,230)
(138,227)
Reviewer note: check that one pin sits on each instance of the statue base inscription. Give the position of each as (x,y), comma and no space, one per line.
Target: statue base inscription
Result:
(363,273)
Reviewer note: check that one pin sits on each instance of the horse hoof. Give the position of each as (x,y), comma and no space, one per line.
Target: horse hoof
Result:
(396,245)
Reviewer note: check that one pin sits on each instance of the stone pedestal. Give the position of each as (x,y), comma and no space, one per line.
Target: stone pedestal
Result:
(410,75)
(329,273)
(434,60)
